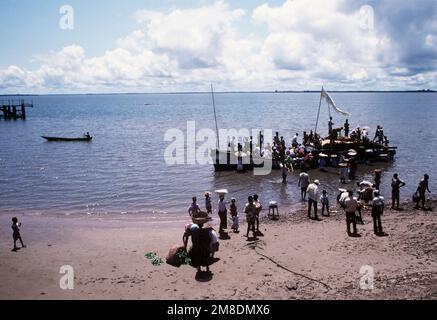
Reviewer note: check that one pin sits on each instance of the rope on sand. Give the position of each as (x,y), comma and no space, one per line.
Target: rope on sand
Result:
(254,246)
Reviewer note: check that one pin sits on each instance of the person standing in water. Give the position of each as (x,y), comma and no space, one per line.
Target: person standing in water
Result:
(16,233)
(304,181)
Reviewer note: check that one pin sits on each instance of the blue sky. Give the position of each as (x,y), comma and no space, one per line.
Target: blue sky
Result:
(149,46)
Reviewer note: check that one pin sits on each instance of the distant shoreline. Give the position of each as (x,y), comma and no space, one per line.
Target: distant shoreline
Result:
(218,92)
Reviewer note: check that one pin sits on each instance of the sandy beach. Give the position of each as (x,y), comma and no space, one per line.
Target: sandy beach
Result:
(296,258)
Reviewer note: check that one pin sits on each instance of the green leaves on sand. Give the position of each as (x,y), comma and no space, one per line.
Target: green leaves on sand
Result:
(154,258)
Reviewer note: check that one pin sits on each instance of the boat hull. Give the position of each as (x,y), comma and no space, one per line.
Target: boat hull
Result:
(59,139)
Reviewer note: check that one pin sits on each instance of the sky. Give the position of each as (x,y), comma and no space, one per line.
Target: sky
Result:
(109,46)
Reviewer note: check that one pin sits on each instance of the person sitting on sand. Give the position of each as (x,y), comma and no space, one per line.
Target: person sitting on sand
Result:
(208,205)
(377,211)
(250,211)
(234,215)
(16,233)
(324,200)
(194,208)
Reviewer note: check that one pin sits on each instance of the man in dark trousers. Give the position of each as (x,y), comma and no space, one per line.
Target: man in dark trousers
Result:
(377,211)
(396,185)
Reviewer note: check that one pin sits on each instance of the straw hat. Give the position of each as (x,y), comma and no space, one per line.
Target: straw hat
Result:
(201,220)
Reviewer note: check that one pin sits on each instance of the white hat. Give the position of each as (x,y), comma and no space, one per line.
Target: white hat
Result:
(317,182)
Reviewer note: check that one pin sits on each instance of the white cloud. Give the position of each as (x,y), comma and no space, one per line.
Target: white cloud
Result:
(304,45)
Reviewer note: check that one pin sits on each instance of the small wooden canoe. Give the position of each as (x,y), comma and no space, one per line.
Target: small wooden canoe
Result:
(86,139)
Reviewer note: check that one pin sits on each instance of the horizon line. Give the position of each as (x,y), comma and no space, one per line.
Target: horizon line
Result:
(219,92)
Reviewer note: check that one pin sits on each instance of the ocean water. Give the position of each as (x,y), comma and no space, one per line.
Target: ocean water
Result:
(122,171)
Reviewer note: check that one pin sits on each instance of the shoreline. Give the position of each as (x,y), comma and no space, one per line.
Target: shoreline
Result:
(295,259)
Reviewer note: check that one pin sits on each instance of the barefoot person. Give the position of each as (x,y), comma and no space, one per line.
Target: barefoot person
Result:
(223,213)
(313,194)
(250,211)
(377,211)
(324,200)
(234,216)
(194,208)
(350,207)
(304,181)
(421,190)
(16,233)
(258,207)
(208,205)
(396,185)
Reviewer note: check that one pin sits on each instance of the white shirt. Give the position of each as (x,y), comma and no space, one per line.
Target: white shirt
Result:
(343,197)
(351,204)
(222,206)
(294,140)
(313,191)
(378,201)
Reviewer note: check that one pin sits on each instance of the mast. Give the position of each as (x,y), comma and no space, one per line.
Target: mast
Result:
(318,113)
(215,118)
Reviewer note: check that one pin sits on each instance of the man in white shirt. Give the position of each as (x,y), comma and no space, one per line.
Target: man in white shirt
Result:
(377,211)
(350,206)
(313,195)
(294,142)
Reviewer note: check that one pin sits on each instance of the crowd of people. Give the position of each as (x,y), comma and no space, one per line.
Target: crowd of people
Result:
(206,242)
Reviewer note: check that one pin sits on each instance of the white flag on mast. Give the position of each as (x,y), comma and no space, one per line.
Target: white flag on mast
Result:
(331,102)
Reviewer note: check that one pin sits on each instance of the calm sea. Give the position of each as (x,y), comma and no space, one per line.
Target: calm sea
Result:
(122,171)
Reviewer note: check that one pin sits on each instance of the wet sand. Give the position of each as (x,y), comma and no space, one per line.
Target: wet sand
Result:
(296,258)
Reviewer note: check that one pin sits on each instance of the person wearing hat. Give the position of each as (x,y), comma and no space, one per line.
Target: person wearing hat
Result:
(421,189)
(377,211)
(208,205)
(200,252)
(313,194)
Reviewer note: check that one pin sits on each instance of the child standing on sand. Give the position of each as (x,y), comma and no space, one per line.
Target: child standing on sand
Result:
(324,200)
(234,216)
(208,205)
(16,233)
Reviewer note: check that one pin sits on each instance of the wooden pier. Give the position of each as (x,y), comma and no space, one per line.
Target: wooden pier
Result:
(14,109)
